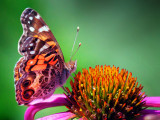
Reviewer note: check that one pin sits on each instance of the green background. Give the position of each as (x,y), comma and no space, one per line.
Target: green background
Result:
(121,33)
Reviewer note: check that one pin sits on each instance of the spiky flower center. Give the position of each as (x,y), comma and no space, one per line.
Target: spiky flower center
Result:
(105,94)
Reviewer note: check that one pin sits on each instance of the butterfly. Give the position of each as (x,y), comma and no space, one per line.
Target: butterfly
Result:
(42,68)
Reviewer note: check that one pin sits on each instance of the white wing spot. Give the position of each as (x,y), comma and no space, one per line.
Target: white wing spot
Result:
(29,22)
(31,29)
(43,48)
(37,16)
(32,52)
(26,16)
(44,28)
(31,62)
(31,44)
(31,18)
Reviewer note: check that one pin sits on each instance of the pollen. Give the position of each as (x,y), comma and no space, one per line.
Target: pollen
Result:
(105,93)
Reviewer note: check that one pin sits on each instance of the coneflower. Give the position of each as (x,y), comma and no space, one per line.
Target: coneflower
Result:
(101,93)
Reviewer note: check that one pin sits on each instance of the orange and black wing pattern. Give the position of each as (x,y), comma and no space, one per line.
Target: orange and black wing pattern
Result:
(41,69)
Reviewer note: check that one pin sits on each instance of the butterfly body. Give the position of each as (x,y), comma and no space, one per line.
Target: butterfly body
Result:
(42,68)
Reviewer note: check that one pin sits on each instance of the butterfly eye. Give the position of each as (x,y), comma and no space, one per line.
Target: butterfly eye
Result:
(28,93)
(26,83)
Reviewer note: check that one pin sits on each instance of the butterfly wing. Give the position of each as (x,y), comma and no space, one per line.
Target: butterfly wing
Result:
(35,27)
(41,69)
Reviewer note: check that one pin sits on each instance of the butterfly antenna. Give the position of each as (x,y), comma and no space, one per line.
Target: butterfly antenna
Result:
(75,52)
(74,43)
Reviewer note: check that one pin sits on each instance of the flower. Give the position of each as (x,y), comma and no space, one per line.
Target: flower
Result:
(100,93)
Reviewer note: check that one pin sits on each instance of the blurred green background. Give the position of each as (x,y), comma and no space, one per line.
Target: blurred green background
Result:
(125,34)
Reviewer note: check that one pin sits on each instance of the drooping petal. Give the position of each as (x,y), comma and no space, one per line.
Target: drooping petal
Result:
(152,101)
(59,116)
(53,101)
(149,115)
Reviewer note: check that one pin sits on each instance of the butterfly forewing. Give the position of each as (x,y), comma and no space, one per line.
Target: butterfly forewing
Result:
(34,27)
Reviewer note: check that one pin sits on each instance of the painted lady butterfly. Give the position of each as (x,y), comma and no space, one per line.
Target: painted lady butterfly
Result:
(42,68)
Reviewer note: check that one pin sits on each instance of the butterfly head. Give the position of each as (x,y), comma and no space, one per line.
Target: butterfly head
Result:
(71,66)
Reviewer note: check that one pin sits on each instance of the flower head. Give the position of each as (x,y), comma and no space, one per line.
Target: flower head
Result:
(100,93)
(105,93)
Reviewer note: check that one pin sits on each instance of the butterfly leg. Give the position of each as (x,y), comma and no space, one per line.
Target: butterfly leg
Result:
(72,76)
(65,90)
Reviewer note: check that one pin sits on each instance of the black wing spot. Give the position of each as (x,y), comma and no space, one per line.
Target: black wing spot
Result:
(36,39)
(33,74)
(52,71)
(31,48)
(53,84)
(41,79)
(24,50)
(27,10)
(28,93)
(34,13)
(26,83)
(32,57)
(45,72)
(46,79)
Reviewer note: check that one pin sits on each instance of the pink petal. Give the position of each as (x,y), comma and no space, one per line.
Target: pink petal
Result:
(59,116)
(152,101)
(147,111)
(50,99)
(149,115)
(53,101)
